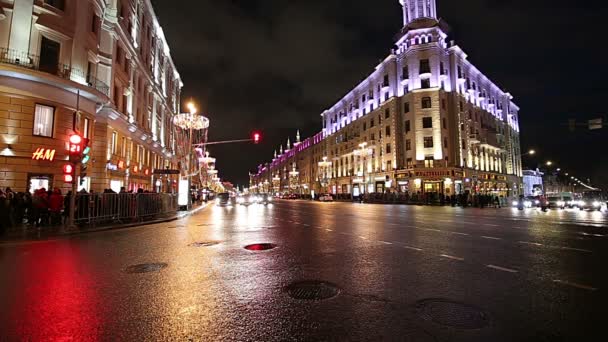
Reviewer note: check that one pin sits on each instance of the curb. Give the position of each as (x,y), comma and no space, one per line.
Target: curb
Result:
(103,229)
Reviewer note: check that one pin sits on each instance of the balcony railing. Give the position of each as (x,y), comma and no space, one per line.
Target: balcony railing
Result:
(32,62)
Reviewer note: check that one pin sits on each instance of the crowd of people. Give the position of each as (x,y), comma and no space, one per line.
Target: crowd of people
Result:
(430,198)
(42,208)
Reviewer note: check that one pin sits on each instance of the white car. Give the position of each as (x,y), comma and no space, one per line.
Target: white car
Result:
(326,198)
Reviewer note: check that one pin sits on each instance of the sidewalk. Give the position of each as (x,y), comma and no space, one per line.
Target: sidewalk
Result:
(28,233)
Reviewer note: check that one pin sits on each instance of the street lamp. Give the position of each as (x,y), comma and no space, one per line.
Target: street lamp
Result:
(549,163)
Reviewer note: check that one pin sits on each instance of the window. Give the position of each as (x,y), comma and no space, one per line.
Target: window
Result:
(372,137)
(407,126)
(49,56)
(388,131)
(462,127)
(389,165)
(385,83)
(405,73)
(461,106)
(443,105)
(95,24)
(464,144)
(425,66)
(386,97)
(44,119)
(371,123)
(406,107)
(425,84)
(85,128)
(445,124)
(427,122)
(364,126)
(387,114)
(408,145)
(405,89)
(409,163)
(388,148)
(445,142)
(428,162)
(426,103)
(123,148)
(113,143)
(58,4)
(428,142)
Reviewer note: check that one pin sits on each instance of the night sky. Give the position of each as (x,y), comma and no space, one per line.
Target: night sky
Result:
(275,65)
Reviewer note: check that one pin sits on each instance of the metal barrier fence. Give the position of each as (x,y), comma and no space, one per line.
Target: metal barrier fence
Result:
(119,208)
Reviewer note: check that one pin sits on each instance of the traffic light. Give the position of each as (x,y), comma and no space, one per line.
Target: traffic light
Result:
(257,136)
(68,173)
(75,148)
(86,151)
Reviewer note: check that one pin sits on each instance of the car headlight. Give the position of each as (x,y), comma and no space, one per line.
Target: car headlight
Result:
(597,204)
(528,203)
(515,203)
(269,198)
(217,201)
(582,203)
(240,200)
(560,203)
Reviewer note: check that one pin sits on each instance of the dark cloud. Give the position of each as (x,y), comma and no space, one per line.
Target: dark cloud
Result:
(276,65)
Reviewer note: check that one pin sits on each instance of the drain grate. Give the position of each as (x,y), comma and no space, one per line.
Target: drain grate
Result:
(204,244)
(452,314)
(260,246)
(312,290)
(146,268)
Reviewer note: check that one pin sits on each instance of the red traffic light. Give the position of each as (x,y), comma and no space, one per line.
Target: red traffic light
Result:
(257,137)
(75,139)
(68,169)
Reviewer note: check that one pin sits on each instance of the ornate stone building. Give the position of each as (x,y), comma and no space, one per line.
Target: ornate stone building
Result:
(425,120)
(99,68)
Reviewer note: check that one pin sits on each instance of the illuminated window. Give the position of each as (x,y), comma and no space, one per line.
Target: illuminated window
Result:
(427,122)
(44,117)
(113,142)
(85,128)
(429,162)
(426,103)
(428,142)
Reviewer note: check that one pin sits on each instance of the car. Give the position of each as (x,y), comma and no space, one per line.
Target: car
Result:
(264,198)
(528,202)
(592,200)
(245,200)
(326,198)
(556,202)
(223,200)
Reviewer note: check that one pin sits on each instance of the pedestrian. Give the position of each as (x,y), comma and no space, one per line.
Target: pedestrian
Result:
(55,206)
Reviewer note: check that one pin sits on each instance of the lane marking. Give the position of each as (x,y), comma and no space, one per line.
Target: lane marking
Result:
(491,225)
(386,242)
(577,249)
(504,269)
(433,230)
(451,257)
(363,237)
(490,238)
(580,286)
(530,243)
(329,230)
(413,248)
(306,224)
(459,233)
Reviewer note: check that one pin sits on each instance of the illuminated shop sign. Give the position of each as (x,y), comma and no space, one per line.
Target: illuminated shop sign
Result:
(44,154)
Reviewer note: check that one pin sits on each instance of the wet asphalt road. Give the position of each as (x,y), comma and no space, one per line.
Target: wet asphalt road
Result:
(404,273)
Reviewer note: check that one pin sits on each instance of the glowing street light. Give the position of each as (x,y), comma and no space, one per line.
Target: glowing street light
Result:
(549,163)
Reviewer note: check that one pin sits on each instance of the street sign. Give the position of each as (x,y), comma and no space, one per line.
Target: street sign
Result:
(595,124)
(166,172)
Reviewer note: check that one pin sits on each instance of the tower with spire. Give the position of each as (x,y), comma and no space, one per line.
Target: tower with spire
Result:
(414,10)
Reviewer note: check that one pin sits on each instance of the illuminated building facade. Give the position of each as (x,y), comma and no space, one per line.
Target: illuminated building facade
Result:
(98,68)
(426,120)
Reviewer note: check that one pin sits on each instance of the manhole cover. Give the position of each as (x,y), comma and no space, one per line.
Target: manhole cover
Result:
(312,290)
(203,244)
(260,246)
(452,314)
(146,268)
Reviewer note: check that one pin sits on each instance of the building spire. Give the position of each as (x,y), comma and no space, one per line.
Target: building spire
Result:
(298,136)
(418,9)
(288,144)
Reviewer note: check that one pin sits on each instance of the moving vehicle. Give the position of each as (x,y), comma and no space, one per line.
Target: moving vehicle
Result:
(223,200)
(527,202)
(326,198)
(556,202)
(592,200)
(245,200)
(264,198)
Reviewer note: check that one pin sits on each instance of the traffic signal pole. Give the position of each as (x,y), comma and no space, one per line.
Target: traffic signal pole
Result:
(71,215)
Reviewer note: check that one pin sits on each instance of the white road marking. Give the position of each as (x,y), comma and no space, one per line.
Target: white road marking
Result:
(530,243)
(433,230)
(577,249)
(329,230)
(504,269)
(459,233)
(491,225)
(386,242)
(584,287)
(306,224)
(363,237)
(451,257)
(413,248)
(490,238)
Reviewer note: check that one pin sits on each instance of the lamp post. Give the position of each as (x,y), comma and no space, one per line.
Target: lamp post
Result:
(324,165)
(190,122)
